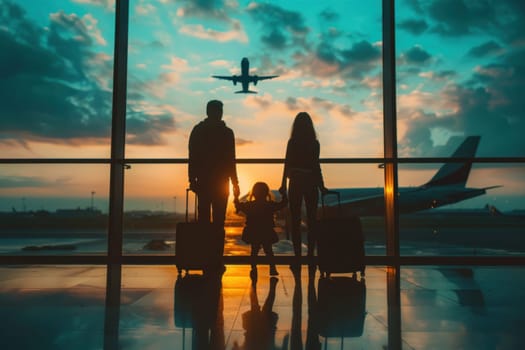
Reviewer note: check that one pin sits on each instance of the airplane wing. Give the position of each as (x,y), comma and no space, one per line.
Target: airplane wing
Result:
(267,77)
(256,78)
(224,77)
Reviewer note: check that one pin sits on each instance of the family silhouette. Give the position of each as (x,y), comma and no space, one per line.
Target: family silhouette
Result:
(211,170)
(212,166)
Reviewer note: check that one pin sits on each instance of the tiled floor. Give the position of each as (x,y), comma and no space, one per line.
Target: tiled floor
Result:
(64,307)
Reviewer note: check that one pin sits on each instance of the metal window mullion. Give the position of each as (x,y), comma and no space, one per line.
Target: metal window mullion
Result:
(390,129)
(118,133)
(391,183)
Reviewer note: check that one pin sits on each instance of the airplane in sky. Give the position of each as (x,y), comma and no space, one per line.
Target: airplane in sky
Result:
(447,186)
(245,78)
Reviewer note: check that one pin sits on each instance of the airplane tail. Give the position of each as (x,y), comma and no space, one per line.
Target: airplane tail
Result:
(245,92)
(457,173)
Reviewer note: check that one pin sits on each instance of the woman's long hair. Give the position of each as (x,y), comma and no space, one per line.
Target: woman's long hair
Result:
(303,128)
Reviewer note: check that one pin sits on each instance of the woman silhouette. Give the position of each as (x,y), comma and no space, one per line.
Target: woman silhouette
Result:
(302,168)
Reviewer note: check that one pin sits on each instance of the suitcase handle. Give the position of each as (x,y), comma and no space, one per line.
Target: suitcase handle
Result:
(196,199)
(338,201)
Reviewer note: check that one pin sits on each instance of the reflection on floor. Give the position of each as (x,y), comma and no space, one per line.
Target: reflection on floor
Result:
(64,307)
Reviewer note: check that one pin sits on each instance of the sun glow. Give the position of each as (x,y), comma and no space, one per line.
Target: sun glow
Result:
(245,181)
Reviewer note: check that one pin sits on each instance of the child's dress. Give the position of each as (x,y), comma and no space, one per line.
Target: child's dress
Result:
(259,228)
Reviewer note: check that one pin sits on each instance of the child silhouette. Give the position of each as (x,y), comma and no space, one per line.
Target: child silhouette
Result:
(259,227)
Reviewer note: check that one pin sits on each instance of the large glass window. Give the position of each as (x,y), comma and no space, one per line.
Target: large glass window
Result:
(461,71)
(458,84)
(460,67)
(478,219)
(327,59)
(56,63)
(57,209)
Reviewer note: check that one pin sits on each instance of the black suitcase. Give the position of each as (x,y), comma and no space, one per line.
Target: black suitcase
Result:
(198,245)
(340,242)
(341,306)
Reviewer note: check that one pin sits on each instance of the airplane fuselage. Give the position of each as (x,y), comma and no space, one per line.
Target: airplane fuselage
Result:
(245,74)
(410,199)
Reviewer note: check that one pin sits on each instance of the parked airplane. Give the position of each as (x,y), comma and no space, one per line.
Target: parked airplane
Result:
(447,186)
(245,78)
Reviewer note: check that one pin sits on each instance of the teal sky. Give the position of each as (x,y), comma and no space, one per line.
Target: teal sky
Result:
(460,67)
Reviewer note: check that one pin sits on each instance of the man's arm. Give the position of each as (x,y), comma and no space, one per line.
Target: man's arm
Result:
(192,169)
(233,166)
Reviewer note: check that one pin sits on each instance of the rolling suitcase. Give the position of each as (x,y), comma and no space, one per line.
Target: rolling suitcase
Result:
(341,306)
(198,245)
(340,242)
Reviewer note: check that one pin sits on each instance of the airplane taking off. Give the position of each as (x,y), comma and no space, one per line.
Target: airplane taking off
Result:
(447,186)
(245,78)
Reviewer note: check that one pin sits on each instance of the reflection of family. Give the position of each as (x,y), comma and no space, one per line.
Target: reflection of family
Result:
(212,166)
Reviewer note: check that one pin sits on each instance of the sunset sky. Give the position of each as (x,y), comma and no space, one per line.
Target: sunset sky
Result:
(460,65)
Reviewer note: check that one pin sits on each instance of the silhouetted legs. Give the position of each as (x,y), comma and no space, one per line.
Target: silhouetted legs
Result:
(267,247)
(213,205)
(299,189)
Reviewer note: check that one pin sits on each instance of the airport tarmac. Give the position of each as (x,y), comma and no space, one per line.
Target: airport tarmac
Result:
(419,235)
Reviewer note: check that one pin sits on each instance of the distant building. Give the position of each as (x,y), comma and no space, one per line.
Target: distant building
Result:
(75,213)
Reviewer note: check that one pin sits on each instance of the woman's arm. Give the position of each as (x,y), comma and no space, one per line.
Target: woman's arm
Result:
(282,189)
(318,172)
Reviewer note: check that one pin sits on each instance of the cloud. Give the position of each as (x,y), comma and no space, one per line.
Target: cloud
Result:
(413,26)
(210,9)
(488,48)
(24,181)
(490,104)
(414,4)
(459,17)
(242,142)
(362,51)
(281,28)
(329,15)
(416,55)
(502,18)
(354,62)
(444,75)
(107,4)
(199,31)
(333,65)
(55,85)
(145,9)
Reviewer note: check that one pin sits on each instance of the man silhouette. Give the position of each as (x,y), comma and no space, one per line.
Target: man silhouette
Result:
(212,166)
